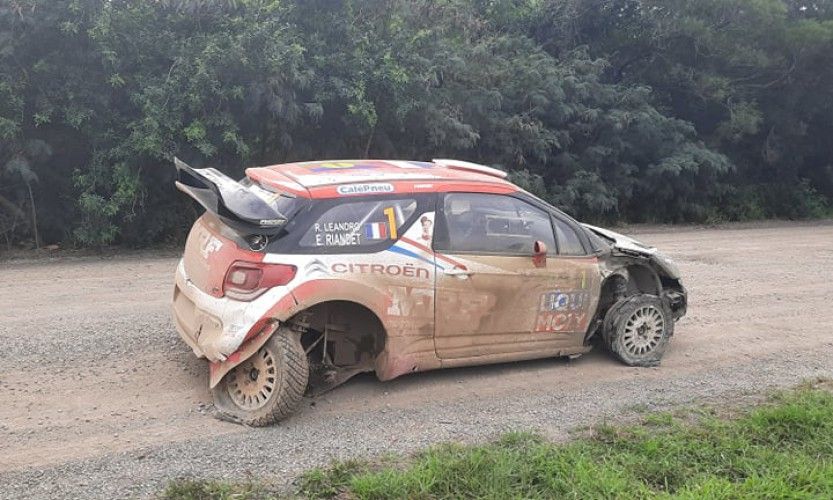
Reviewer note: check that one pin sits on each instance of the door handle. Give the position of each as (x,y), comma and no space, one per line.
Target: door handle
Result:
(459,272)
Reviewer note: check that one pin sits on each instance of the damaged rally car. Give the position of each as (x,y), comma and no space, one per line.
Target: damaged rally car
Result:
(302,275)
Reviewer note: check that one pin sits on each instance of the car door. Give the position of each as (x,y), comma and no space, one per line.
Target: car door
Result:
(486,281)
(567,305)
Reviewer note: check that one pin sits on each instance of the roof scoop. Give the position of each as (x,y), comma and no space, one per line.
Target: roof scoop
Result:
(470,167)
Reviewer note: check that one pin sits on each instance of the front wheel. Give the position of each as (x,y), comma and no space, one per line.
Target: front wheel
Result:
(637,329)
(267,387)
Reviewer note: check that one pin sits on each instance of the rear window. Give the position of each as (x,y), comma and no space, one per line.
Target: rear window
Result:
(359,224)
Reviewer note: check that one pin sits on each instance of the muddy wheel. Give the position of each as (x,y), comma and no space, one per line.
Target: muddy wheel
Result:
(637,329)
(268,386)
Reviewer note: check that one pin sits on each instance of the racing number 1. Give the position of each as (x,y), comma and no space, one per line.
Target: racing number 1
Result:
(391,222)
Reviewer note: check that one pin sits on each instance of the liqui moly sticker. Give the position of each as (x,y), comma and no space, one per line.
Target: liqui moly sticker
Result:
(370,188)
(376,231)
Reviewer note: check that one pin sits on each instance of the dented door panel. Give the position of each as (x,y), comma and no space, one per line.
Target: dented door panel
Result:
(508,306)
(493,299)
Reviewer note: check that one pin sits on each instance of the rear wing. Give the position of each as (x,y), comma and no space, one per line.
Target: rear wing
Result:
(247,208)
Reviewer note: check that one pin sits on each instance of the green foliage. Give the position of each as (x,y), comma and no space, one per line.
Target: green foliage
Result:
(780,449)
(753,77)
(783,449)
(106,194)
(18,212)
(191,489)
(614,109)
(321,483)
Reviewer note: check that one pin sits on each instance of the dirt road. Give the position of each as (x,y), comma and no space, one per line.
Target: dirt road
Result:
(99,398)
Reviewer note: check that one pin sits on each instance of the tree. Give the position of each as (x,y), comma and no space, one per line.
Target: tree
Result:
(752,76)
(673,110)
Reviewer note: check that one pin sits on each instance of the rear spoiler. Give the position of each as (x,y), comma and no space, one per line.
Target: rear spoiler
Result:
(247,209)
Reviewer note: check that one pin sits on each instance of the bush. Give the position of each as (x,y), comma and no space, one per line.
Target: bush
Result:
(603,106)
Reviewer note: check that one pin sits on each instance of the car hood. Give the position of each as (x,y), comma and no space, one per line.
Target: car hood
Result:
(629,245)
(623,242)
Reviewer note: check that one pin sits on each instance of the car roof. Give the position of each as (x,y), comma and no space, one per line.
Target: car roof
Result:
(336,178)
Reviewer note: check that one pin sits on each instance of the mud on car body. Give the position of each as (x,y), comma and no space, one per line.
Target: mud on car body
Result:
(303,274)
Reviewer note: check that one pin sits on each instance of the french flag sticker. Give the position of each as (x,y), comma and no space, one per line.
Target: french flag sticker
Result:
(376,231)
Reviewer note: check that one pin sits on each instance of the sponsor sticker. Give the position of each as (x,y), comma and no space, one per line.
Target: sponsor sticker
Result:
(562,311)
(369,188)
(407,270)
(209,245)
(337,234)
(376,231)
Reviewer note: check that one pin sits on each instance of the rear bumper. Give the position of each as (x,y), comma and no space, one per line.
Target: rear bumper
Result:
(213,327)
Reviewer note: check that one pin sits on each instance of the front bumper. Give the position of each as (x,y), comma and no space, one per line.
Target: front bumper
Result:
(213,327)
(677,301)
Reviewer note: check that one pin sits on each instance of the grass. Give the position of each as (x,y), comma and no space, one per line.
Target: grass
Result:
(780,449)
(192,489)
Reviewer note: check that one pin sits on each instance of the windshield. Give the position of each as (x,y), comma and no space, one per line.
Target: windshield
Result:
(598,241)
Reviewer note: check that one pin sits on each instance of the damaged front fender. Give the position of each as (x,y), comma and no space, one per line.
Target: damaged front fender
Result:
(642,269)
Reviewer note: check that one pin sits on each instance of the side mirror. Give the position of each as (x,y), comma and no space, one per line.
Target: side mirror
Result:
(539,254)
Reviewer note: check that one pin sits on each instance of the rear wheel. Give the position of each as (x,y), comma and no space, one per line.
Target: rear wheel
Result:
(267,387)
(637,329)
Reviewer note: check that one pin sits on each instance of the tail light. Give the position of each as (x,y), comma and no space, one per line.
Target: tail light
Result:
(248,280)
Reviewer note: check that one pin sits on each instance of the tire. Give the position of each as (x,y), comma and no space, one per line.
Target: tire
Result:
(637,330)
(267,387)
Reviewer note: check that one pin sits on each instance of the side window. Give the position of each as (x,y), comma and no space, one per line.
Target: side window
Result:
(492,223)
(359,224)
(568,241)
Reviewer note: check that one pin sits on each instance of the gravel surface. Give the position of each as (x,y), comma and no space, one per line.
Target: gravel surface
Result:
(99,399)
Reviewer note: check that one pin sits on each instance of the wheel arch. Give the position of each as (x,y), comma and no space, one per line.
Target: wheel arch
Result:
(642,278)
(302,298)
(629,278)
(362,319)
